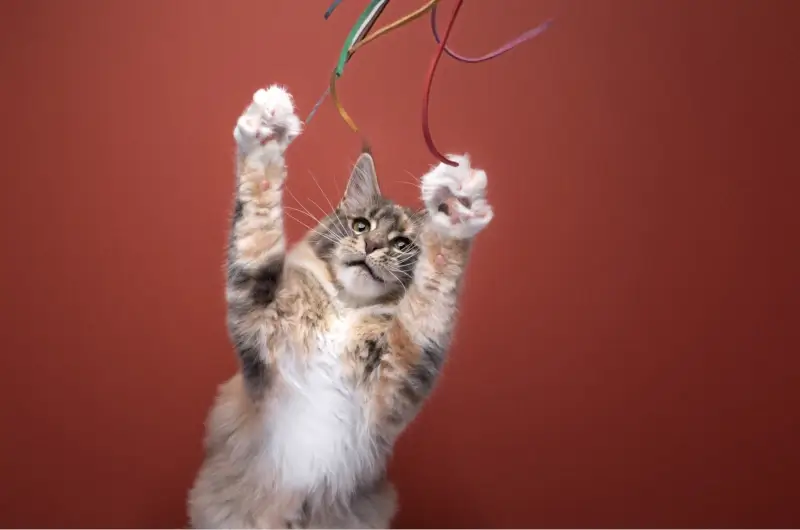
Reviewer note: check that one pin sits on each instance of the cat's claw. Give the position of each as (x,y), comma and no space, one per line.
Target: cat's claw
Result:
(270,116)
(455,197)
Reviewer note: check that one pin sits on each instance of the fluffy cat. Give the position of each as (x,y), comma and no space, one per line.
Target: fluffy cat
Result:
(340,339)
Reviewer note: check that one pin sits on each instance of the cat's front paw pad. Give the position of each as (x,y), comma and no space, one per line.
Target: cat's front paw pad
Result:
(455,197)
(270,117)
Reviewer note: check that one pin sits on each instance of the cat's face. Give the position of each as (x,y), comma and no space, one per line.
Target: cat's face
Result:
(379,249)
(369,242)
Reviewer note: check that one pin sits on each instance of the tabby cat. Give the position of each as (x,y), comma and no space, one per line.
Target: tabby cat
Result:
(340,339)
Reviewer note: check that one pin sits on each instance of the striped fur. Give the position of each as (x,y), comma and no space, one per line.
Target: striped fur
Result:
(340,340)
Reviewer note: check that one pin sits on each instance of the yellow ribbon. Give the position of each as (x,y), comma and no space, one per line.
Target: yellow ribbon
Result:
(402,21)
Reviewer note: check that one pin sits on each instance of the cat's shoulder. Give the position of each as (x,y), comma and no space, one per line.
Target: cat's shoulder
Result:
(303,266)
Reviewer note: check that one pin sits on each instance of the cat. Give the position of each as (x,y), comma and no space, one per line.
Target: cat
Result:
(340,338)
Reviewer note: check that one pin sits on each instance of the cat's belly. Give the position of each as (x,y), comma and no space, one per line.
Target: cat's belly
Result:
(318,433)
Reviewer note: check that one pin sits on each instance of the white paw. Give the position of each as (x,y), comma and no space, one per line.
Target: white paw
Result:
(269,118)
(455,197)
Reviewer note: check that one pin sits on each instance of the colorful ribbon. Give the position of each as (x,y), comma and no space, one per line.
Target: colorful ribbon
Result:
(510,45)
(358,38)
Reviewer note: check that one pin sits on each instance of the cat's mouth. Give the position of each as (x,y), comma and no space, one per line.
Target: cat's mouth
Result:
(363,265)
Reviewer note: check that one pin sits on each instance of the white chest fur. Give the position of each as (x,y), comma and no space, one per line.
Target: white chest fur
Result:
(317,430)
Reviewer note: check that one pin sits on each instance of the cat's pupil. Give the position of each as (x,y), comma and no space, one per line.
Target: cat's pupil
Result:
(360,225)
(400,243)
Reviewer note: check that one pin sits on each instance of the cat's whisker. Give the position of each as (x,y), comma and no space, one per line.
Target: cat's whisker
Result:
(416,216)
(324,213)
(399,281)
(309,214)
(336,182)
(413,184)
(414,241)
(300,204)
(407,265)
(406,260)
(344,230)
(399,265)
(413,176)
(313,230)
(305,212)
(409,183)
(320,208)
(408,254)
(295,219)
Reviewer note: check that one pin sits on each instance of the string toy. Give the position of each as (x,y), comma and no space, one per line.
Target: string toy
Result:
(357,38)
(510,45)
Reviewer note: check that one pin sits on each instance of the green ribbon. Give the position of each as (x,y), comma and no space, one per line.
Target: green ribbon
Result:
(361,28)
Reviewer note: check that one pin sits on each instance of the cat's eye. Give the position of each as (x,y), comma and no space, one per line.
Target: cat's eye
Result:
(400,243)
(360,225)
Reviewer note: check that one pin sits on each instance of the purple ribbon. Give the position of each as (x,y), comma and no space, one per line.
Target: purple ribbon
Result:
(528,35)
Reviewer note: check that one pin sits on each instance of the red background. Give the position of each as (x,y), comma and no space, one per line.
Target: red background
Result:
(628,348)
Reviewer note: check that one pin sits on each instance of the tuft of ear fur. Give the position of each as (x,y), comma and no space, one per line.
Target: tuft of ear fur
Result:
(362,188)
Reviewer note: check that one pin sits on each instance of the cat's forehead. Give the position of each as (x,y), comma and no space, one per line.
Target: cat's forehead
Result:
(391,216)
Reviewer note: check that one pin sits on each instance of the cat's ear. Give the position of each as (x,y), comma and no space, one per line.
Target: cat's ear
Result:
(362,188)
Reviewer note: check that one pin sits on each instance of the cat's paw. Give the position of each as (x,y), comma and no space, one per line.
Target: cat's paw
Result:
(455,197)
(268,121)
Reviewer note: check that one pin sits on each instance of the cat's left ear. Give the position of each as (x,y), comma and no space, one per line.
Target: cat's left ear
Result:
(362,188)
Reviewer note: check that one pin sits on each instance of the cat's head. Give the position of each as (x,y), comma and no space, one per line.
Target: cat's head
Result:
(369,242)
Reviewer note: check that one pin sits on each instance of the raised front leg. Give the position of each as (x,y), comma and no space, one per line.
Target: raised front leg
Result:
(412,350)
(257,243)
(455,198)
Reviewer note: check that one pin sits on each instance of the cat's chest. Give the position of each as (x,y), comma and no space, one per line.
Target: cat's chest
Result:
(319,425)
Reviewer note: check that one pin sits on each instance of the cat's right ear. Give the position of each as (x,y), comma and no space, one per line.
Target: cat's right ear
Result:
(362,187)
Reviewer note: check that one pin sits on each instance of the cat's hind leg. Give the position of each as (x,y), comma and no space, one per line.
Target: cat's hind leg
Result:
(372,507)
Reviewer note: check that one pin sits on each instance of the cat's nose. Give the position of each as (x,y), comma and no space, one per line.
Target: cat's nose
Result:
(370,246)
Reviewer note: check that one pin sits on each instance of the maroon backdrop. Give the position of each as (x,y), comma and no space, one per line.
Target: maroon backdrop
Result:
(628,351)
